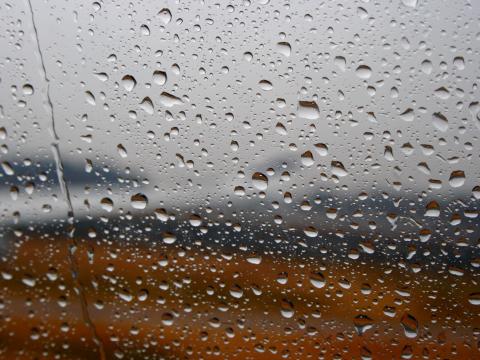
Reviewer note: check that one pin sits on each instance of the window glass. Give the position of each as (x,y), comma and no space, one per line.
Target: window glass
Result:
(239,179)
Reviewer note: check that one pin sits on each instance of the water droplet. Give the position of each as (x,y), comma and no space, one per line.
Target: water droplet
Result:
(317,280)
(362,323)
(167,319)
(101,76)
(265,85)
(260,181)
(90,98)
(129,82)
(457,178)
(459,63)
(338,169)
(139,201)
(440,122)
(159,77)
(29,280)
(321,149)
(248,56)
(310,231)
(7,168)
(165,16)
(147,105)
(442,93)
(27,89)
(107,204)
(254,259)
(340,62)
(307,158)
(432,209)
(236,291)
(195,220)
(408,115)
(427,67)
(122,151)
(308,110)
(168,237)
(474,298)
(410,3)
(145,30)
(287,309)
(363,72)
(169,100)
(284,48)
(410,325)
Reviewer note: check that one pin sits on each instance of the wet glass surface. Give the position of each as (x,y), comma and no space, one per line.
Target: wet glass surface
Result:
(239,179)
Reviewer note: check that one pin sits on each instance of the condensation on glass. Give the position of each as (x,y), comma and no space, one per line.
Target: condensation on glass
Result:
(239,179)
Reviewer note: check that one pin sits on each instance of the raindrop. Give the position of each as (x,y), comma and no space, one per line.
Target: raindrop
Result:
(310,231)
(165,16)
(147,105)
(440,122)
(340,62)
(122,151)
(362,323)
(363,72)
(260,181)
(107,204)
(410,3)
(410,325)
(90,98)
(321,149)
(159,77)
(317,280)
(474,298)
(145,30)
(265,85)
(129,82)
(168,237)
(338,169)
(408,115)
(169,100)
(308,110)
(139,201)
(27,89)
(284,48)
(307,158)
(457,178)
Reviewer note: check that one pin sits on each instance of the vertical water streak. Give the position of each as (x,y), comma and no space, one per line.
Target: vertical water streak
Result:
(72,245)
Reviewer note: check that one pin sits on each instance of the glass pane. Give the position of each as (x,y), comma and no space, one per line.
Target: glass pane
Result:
(239,180)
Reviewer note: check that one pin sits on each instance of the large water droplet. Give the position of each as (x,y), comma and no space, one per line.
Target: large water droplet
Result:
(169,100)
(363,72)
(284,48)
(129,82)
(165,16)
(410,325)
(440,122)
(308,110)
(457,178)
(139,201)
(265,85)
(147,105)
(317,280)
(260,181)
(159,77)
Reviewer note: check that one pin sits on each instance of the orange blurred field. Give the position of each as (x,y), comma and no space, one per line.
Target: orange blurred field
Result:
(184,309)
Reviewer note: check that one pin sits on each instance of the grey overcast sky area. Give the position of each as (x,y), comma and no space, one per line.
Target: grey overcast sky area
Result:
(191,99)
